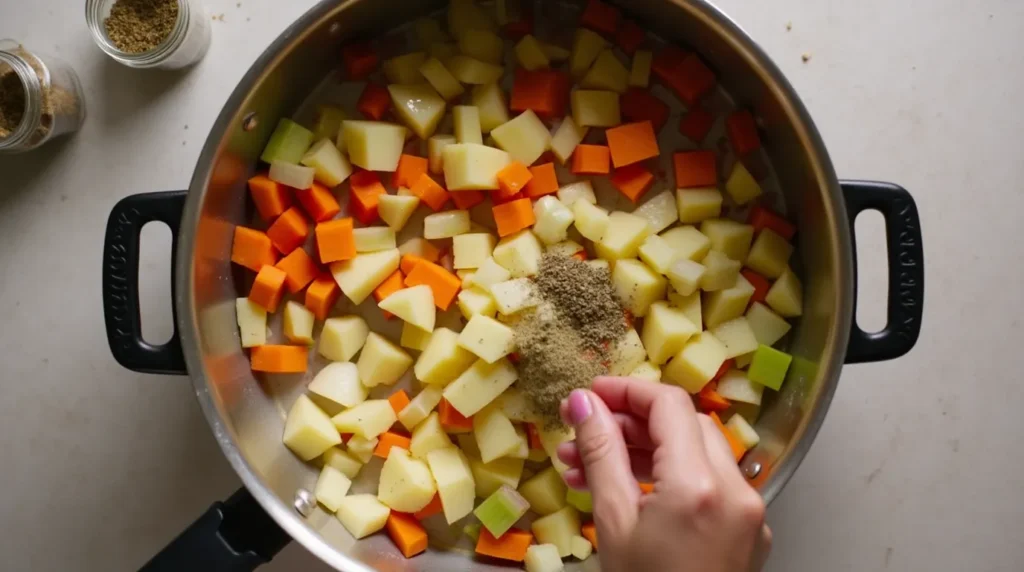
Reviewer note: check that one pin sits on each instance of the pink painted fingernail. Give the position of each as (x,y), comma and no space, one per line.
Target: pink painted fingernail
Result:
(579,406)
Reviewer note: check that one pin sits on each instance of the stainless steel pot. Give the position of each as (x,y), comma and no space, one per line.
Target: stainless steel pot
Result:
(261,518)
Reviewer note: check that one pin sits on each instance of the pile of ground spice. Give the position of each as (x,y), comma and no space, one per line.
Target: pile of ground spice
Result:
(12,103)
(583,296)
(137,26)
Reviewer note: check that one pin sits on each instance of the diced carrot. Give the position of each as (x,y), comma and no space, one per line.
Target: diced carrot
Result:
(389,286)
(513,178)
(318,202)
(691,80)
(632,181)
(430,193)
(646,488)
(279,359)
(709,400)
(696,124)
(345,437)
(322,295)
(399,400)
(589,531)
(581,256)
(546,92)
(289,231)
(591,160)
(374,101)
(601,17)
(738,450)
(407,533)
(638,104)
(387,440)
(511,546)
(762,218)
(410,167)
(271,198)
(252,249)
(443,283)
(300,269)
(632,143)
(695,169)
(268,288)
(742,131)
(666,61)
(544,181)
(630,37)
(513,217)
(534,436)
(723,369)
(335,240)
(366,190)
(451,419)
(435,507)
(760,283)
(360,60)
(465,200)
(513,357)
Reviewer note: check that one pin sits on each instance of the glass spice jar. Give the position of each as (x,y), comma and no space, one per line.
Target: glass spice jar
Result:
(186,41)
(40,98)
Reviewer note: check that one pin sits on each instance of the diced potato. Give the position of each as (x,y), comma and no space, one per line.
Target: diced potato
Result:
(522,450)
(406,484)
(646,370)
(339,383)
(419,107)
(743,431)
(592,108)
(543,558)
(362,448)
(382,362)
(414,305)
(445,224)
(627,354)
(331,488)
(252,323)
(368,419)
(472,250)
(490,100)
(566,138)
(517,406)
(519,253)
(640,73)
(413,337)
(558,528)
(637,286)
(737,336)
(586,46)
(728,237)
(666,331)
(591,220)
(483,45)
(607,73)
(362,515)
(308,431)
(327,122)
(467,124)
(525,138)
(625,234)
(428,436)
(330,167)
(473,71)
(720,272)
(420,407)
(573,192)
(489,274)
(545,492)
(768,326)
(552,437)
(744,360)
(690,305)
(469,167)
(658,253)
(553,220)
(465,15)
(685,276)
(420,247)
(443,360)
(736,386)
(786,295)
(443,51)
(770,254)
(698,205)
(292,175)
(428,31)
(530,54)
(488,339)
(342,461)
(374,238)
(479,385)
(726,304)
(396,210)
(581,548)
(489,477)
(473,302)
(495,435)
(374,145)
(697,363)
(564,248)
(358,277)
(741,185)
(435,154)
(660,211)
(514,296)
(688,241)
(343,337)
(405,69)
(555,53)
(455,483)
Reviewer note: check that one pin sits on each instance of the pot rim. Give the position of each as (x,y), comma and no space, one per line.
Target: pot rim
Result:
(835,211)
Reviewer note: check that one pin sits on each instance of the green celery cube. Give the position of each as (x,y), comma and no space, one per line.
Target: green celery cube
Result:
(769,367)
(580,500)
(288,143)
(501,510)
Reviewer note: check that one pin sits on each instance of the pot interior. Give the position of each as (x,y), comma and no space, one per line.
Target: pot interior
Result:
(300,70)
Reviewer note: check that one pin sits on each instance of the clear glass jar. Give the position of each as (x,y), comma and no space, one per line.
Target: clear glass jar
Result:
(185,45)
(40,98)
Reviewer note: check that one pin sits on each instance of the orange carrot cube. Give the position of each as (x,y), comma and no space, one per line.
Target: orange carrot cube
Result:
(691,80)
(738,450)
(410,167)
(407,533)
(279,359)
(630,37)
(410,261)
(512,545)
(591,160)
(589,531)
(289,231)
(666,61)
(546,92)
(268,288)
(632,181)
(322,295)
(364,198)
(695,169)
(601,17)
(435,507)
(443,283)
(360,60)
(762,218)
(271,198)
(430,193)
(760,283)
(399,400)
(513,178)
(335,240)
(465,200)
(252,249)
(632,143)
(742,132)
(451,419)
(513,216)
(709,400)
(300,269)
(638,104)
(696,124)
(318,202)
(544,181)
(389,286)
(374,101)
(387,440)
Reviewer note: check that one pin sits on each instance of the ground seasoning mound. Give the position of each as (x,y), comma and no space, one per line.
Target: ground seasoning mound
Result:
(583,296)
(12,103)
(136,26)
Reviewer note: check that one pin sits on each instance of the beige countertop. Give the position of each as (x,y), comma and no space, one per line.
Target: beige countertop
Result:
(915,468)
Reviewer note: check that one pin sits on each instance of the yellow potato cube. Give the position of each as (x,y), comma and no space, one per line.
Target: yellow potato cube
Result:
(646,370)
(581,548)
(624,235)
(374,145)
(685,276)
(406,484)
(566,138)
(768,326)
(374,238)
(414,305)
(558,528)
(726,304)
(697,363)
(637,286)
(658,253)
(413,337)
(465,15)
(741,185)
(473,302)
(455,483)
(419,107)
(445,224)
(395,210)
(362,448)
(470,70)
(525,138)
(720,272)
(331,488)
(441,79)
(292,175)
(698,205)
(586,46)
(308,431)
(420,247)
(530,54)
(627,354)
(490,100)
(770,254)
(495,435)
(564,248)
(666,331)
(688,241)
(483,45)
(362,515)
(640,73)
(743,431)
(591,108)
(553,220)
(342,461)
(489,274)
(428,436)
(555,53)
(472,250)
(443,360)
(573,192)
(405,69)
(517,406)
(786,295)
(427,31)
(479,385)
(543,558)
(358,277)
(382,362)
(343,337)
(435,154)
(488,339)
(339,383)
(330,167)
(420,407)
(607,73)
(368,419)
(545,492)
(591,220)
(690,305)
(728,237)
(551,438)
(737,336)
(519,253)
(469,167)
(252,323)
(660,211)
(467,124)
(736,386)
(514,296)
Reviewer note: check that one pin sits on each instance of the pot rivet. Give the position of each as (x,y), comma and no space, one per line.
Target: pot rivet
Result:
(250,121)
(752,470)
(304,502)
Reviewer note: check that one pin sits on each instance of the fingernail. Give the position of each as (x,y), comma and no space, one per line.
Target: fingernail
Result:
(579,407)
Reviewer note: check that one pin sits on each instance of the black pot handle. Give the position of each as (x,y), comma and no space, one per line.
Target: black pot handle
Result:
(232,536)
(121,282)
(906,270)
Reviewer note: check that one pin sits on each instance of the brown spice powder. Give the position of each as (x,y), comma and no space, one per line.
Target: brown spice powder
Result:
(12,103)
(583,296)
(136,26)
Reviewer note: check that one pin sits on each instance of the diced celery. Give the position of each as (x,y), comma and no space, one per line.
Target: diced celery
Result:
(288,143)
(501,510)
(769,367)
(582,500)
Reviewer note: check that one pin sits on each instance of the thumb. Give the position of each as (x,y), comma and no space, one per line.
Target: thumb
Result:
(606,463)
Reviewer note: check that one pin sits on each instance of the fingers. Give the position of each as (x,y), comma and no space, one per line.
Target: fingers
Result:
(720,454)
(634,430)
(639,459)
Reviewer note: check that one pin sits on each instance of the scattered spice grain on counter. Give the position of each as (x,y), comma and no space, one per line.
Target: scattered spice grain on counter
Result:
(137,26)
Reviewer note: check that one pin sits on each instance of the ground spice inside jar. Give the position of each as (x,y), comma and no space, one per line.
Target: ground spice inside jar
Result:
(137,26)
(12,103)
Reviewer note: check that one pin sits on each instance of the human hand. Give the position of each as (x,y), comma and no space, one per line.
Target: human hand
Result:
(702,514)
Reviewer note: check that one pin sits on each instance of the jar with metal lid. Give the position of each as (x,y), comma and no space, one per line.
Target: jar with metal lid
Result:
(40,98)
(166,34)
